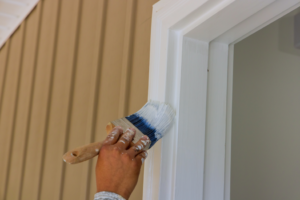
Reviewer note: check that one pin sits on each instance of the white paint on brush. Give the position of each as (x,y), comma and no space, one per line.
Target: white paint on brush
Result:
(159,115)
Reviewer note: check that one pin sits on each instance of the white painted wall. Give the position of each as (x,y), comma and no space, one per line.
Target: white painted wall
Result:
(265,156)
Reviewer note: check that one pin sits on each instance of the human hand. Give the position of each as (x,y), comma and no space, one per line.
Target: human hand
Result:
(118,166)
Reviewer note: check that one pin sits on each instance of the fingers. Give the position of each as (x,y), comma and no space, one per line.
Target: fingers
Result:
(141,156)
(113,136)
(125,139)
(139,146)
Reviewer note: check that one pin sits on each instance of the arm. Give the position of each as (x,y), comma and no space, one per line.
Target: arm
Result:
(119,164)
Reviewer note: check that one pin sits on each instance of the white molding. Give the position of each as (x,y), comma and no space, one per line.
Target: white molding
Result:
(191,120)
(228,123)
(12,13)
(214,176)
(193,159)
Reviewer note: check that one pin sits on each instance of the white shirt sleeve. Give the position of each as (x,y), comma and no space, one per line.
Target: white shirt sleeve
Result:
(107,196)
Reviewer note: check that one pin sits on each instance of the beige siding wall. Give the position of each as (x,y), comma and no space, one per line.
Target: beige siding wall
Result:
(70,68)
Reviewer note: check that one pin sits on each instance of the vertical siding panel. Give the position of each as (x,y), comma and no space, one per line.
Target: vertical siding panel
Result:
(15,162)
(110,77)
(141,52)
(78,16)
(26,91)
(8,112)
(3,68)
(94,97)
(127,58)
(23,106)
(41,96)
(30,170)
(85,95)
(72,184)
(61,99)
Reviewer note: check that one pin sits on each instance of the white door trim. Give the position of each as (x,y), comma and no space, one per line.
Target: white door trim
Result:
(188,38)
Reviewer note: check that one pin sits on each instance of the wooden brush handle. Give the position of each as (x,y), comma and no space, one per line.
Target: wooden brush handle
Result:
(86,152)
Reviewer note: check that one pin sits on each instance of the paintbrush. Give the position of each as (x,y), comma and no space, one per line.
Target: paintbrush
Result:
(153,120)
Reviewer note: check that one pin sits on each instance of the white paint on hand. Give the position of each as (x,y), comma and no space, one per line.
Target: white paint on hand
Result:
(122,141)
(115,132)
(130,131)
(127,136)
(97,150)
(143,160)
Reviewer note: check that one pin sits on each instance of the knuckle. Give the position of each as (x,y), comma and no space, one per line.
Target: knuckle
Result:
(116,150)
(126,156)
(130,131)
(104,148)
(118,128)
(122,141)
(113,133)
(125,139)
(136,149)
(139,147)
(103,152)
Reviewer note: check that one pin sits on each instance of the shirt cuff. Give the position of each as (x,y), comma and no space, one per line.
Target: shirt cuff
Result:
(107,196)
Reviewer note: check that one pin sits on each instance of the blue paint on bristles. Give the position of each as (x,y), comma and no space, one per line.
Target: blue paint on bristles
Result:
(153,120)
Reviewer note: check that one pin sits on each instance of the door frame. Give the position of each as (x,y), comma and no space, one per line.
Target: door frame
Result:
(191,68)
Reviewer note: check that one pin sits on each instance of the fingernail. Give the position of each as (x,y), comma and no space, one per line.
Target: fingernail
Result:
(144,142)
(131,131)
(118,127)
(114,132)
(145,137)
(140,147)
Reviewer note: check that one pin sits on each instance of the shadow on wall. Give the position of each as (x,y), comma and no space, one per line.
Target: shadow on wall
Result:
(286,33)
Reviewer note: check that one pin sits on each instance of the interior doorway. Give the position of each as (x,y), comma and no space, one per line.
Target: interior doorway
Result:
(265,151)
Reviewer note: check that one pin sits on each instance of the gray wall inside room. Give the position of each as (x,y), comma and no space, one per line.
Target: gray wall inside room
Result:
(266,115)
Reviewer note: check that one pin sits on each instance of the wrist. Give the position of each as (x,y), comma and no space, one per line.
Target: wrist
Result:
(107,195)
(122,192)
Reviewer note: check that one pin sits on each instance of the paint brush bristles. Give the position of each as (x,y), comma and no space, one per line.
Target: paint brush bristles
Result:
(153,120)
